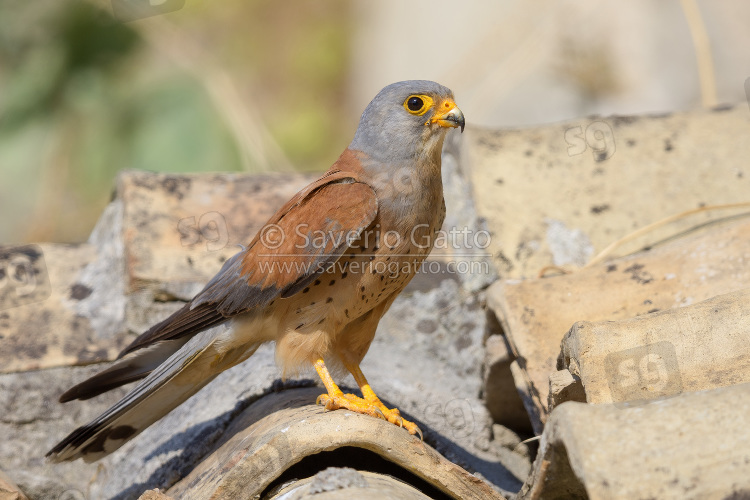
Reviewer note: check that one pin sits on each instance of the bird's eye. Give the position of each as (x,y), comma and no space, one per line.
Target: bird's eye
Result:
(417,104)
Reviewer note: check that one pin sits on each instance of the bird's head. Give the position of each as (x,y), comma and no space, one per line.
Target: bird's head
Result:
(407,120)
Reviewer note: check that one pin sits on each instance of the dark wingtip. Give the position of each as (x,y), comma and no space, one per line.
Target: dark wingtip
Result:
(101,383)
(66,396)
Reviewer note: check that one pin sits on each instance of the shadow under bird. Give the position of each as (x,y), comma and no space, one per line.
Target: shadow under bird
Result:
(316,280)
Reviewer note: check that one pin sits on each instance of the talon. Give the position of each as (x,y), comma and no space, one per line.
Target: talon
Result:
(419,431)
(368,404)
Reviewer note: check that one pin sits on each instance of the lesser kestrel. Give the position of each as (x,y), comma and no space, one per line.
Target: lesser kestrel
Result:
(316,280)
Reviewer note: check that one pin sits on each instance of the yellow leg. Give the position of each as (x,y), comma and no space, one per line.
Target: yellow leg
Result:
(369,405)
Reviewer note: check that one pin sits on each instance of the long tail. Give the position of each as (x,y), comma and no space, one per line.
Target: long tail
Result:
(179,377)
(134,366)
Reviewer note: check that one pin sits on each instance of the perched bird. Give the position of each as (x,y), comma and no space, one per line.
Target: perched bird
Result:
(315,280)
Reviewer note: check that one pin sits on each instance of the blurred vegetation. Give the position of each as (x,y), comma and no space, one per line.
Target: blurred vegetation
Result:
(82,97)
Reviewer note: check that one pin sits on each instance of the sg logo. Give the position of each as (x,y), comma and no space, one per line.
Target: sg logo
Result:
(598,136)
(210,226)
(643,373)
(23,276)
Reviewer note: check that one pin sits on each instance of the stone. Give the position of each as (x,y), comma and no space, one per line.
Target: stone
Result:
(563,386)
(155,494)
(33,421)
(499,390)
(693,348)
(691,446)
(343,483)
(9,490)
(271,436)
(53,322)
(554,195)
(535,314)
(528,397)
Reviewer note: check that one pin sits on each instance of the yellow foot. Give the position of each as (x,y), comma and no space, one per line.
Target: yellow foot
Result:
(373,408)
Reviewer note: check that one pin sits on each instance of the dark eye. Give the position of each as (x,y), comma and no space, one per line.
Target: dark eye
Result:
(418,104)
(414,103)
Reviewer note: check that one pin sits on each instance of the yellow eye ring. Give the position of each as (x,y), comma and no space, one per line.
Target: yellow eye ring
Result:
(418,104)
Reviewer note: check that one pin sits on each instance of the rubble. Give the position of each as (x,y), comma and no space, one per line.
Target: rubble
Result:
(693,348)
(274,436)
(691,446)
(536,313)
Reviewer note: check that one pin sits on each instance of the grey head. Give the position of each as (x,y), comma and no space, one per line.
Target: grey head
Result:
(407,120)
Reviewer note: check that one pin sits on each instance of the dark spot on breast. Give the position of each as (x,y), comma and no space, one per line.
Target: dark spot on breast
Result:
(382,278)
(300,326)
(321,321)
(79,291)
(668,145)
(363,297)
(611,268)
(299,310)
(346,312)
(306,290)
(317,282)
(329,300)
(362,289)
(332,282)
(343,275)
(312,303)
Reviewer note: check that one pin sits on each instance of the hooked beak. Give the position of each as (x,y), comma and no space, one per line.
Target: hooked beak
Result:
(448,115)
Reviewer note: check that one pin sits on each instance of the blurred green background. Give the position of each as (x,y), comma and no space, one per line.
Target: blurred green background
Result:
(84,96)
(262,85)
